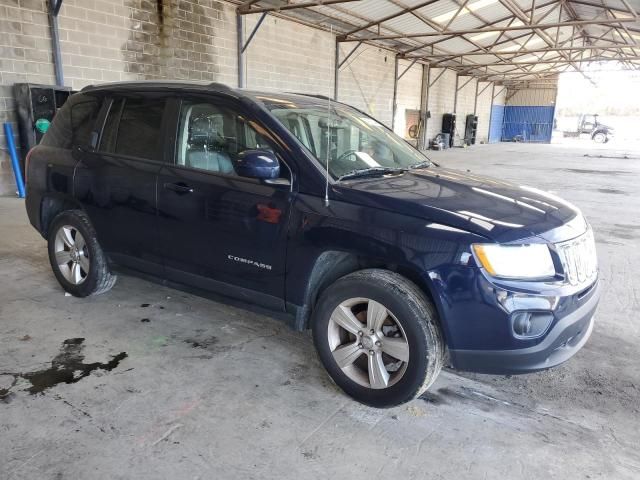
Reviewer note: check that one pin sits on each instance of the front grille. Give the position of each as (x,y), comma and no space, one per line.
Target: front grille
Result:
(578,258)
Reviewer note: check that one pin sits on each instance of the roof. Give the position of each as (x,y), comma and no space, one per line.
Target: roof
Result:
(264,97)
(490,39)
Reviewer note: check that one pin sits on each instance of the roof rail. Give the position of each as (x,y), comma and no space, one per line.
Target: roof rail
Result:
(132,84)
(322,97)
(220,86)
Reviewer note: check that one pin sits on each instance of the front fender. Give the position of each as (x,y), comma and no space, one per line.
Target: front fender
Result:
(367,238)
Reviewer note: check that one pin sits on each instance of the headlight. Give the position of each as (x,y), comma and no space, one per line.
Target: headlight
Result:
(515,261)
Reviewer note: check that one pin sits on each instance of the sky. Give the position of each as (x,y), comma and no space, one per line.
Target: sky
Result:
(617,91)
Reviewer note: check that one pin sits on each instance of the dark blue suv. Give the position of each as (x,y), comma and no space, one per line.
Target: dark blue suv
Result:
(313,209)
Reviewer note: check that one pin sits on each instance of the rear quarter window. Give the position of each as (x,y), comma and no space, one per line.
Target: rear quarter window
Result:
(83,120)
(73,123)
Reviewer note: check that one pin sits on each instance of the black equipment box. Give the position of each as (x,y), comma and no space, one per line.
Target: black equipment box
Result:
(449,126)
(36,105)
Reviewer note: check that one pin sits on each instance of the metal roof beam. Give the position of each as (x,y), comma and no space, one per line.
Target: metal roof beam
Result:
(389,17)
(407,69)
(521,53)
(555,60)
(630,9)
(246,4)
(499,29)
(244,10)
(485,22)
(599,5)
(461,7)
(465,83)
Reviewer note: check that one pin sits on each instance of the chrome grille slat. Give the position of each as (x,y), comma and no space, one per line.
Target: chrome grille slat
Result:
(578,258)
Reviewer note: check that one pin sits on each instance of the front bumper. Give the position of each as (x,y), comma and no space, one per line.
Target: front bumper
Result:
(560,343)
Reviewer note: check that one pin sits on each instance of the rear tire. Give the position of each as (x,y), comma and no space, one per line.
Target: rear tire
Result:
(76,258)
(378,338)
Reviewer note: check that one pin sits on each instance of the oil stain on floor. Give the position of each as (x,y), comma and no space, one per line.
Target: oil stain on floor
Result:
(66,367)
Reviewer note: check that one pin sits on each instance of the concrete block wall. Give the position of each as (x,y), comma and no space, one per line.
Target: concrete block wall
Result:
(500,95)
(366,81)
(441,98)
(290,57)
(25,55)
(408,96)
(113,40)
(117,40)
(465,104)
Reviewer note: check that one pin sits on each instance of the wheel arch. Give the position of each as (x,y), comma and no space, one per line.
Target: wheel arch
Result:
(331,265)
(51,206)
(602,131)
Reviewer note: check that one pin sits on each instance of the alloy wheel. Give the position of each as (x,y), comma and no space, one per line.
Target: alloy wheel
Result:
(368,343)
(71,254)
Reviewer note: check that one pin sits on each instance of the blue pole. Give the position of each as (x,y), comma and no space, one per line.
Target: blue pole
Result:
(8,133)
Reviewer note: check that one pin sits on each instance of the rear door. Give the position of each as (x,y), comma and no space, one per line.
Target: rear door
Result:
(116,181)
(220,231)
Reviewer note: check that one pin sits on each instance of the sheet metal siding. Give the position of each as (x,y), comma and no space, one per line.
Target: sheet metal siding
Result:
(532,97)
(495,124)
(528,124)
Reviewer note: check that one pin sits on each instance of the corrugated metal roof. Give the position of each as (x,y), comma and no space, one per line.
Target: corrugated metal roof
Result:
(469,52)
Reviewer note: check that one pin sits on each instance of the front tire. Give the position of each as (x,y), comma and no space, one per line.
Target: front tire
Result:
(600,137)
(76,258)
(378,338)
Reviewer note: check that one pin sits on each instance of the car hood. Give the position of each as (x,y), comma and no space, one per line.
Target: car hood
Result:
(495,209)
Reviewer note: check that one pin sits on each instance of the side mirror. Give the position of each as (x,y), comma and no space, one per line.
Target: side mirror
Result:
(257,164)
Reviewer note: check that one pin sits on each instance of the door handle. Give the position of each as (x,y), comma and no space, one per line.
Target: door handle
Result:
(178,187)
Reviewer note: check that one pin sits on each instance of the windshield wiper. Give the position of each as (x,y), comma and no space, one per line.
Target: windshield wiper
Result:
(370,172)
(424,164)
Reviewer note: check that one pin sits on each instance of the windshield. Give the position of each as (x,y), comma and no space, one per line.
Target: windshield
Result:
(356,141)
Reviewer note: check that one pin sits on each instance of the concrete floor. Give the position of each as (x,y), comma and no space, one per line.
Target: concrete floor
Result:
(212,391)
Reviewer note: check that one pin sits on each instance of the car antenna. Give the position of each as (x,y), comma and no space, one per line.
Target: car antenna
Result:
(326,185)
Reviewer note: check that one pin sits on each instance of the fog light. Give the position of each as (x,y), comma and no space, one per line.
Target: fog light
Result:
(530,324)
(513,302)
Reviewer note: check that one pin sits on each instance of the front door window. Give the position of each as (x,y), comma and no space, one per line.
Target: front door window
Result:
(211,136)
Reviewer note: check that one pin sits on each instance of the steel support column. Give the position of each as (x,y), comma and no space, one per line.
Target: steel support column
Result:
(54,10)
(239,48)
(424,108)
(336,69)
(455,97)
(493,91)
(242,45)
(475,101)
(395,92)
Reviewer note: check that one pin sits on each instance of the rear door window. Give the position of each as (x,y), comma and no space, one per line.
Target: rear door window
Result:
(133,128)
